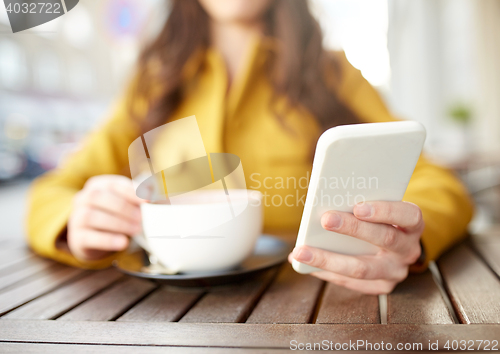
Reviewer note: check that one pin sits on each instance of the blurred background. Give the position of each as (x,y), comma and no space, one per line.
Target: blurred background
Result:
(434,61)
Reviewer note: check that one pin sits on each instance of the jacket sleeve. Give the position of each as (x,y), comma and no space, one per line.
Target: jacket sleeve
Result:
(444,201)
(105,151)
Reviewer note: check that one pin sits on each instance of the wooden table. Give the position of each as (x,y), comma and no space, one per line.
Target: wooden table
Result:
(48,307)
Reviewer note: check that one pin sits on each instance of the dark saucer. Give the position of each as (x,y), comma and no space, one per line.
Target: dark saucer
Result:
(269,252)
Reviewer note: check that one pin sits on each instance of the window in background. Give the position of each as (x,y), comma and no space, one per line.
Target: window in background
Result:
(78,27)
(359,27)
(81,77)
(48,75)
(13,70)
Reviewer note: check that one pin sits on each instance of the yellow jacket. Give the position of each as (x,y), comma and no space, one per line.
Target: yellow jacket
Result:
(239,121)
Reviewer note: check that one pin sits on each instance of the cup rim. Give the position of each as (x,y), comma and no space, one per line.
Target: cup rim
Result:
(250,194)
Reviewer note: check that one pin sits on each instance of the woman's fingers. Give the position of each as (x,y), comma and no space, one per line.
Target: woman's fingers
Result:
(356,267)
(105,212)
(104,241)
(384,236)
(125,189)
(395,227)
(92,218)
(403,214)
(119,185)
(89,244)
(373,287)
(114,204)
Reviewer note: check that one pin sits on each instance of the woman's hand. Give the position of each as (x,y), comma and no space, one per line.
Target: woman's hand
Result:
(395,227)
(105,212)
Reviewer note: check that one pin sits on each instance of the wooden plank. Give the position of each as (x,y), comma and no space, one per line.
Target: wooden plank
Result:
(417,300)
(51,279)
(166,304)
(12,243)
(111,349)
(59,301)
(36,348)
(473,288)
(21,265)
(11,256)
(111,303)
(232,303)
(235,334)
(290,299)
(487,244)
(21,271)
(490,252)
(341,305)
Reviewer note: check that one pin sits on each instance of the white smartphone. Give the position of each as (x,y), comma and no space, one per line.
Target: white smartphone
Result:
(353,164)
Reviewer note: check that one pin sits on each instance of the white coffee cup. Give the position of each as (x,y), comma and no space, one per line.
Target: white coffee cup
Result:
(204,231)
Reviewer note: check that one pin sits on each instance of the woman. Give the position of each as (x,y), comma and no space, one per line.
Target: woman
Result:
(262,87)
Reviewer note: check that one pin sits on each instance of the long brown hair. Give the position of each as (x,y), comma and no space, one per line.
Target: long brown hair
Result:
(300,70)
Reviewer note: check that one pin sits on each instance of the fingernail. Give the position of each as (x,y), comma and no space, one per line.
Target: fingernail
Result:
(333,221)
(364,210)
(303,255)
